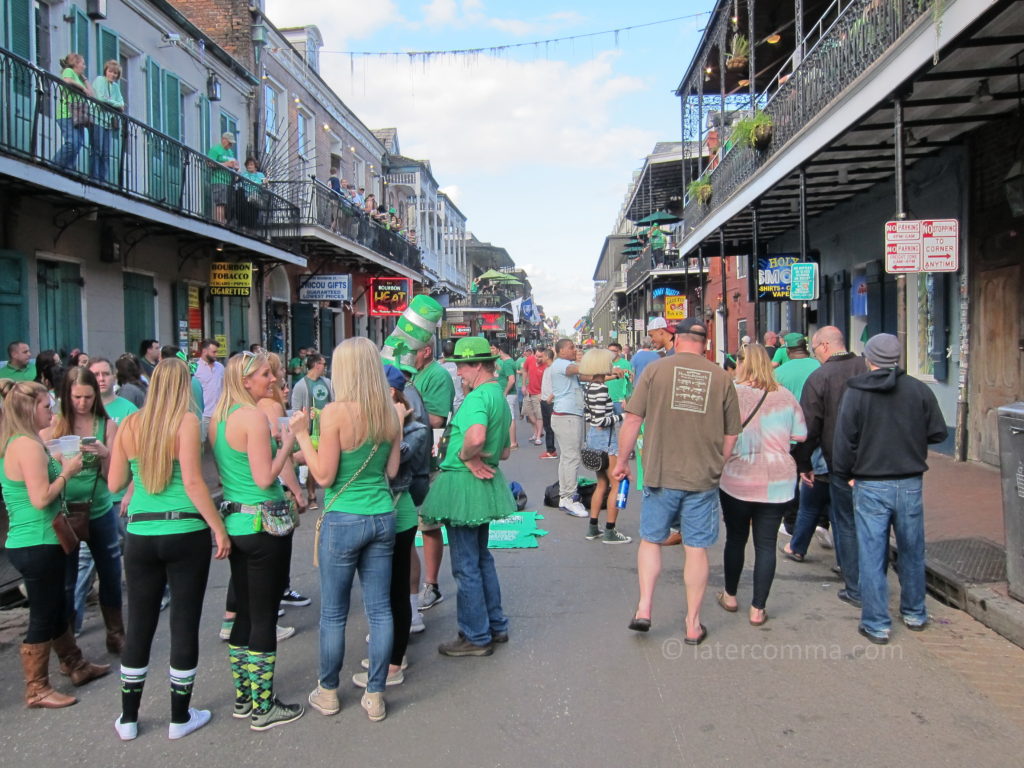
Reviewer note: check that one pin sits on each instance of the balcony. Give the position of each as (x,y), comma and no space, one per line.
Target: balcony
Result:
(640,268)
(321,210)
(500,300)
(57,128)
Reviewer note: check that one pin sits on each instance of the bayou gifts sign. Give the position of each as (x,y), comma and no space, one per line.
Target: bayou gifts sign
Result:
(774,277)
(389,296)
(229,278)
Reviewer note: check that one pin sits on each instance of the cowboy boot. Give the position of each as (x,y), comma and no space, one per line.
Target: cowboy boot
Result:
(35,661)
(71,662)
(115,629)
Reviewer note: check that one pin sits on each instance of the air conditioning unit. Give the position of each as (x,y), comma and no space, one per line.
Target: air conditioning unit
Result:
(96,9)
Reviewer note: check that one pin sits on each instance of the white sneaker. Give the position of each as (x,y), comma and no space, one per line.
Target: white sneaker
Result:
(283,633)
(824,537)
(783,531)
(417,625)
(197,718)
(572,507)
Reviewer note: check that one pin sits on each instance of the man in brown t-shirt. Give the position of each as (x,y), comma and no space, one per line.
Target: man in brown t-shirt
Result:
(692,419)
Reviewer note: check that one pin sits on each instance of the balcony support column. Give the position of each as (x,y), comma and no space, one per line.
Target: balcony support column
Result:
(755,249)
(700,121)
(901,213)
(751,64)
(798,31)
(700,284)
(724,341)
(803,232)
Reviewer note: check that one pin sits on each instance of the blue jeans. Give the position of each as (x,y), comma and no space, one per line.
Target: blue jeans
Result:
(814,504)
(844,533)
(87,566)
(351,543)
(74,140)
(478,603)
(101,141)
(105,548)
(880,504)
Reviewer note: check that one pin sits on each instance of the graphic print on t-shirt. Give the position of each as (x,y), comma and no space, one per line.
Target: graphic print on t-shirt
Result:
(690,390)
(318,393)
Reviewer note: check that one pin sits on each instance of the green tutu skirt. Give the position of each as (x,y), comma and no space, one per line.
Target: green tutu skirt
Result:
(459,498)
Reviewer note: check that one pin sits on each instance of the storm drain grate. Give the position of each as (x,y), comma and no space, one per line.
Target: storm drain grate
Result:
(973,561)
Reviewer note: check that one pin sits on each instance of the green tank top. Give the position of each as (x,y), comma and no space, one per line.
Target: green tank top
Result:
(405,513)
(236,479)
(171,499)
(80,487)
(369,493)
(29,527)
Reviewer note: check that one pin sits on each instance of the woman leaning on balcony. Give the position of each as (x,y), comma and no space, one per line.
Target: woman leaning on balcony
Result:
(107,88)
(73,112)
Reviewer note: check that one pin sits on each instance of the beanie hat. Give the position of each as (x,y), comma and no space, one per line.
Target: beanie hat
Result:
(883,350)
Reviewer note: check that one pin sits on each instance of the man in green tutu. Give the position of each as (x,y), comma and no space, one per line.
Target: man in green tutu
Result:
(469,493)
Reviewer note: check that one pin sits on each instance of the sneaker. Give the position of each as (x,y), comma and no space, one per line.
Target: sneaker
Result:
(278,714)
(844,595)
(126,731)
(283,633)
(325,701)
(594,532)
(876,639)
(783,531)
(462,647)
(280,612)
(499,637)
(824,537)
(291,597)
(365,663)
(394,678)
(571,507)
(197,718)
(243,709)
(417,625)
(374,705)
(165,600)
(614,536)
(915,626)
(549,455)
(225,629)
(430,596)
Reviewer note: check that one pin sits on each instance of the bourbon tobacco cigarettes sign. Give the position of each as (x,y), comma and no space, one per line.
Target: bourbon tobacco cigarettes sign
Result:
(230,278)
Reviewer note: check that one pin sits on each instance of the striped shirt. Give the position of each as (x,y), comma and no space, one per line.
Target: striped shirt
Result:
(598,408)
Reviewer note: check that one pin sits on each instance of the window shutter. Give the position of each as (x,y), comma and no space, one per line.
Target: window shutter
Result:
(204,124)
(938,289)
(839,309)
(874,274)
(109,48)
(302,325)
(19,27)
(172,106)
(154,103)
(79,32)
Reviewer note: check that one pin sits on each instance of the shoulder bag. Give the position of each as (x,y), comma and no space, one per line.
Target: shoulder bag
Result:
(334,498)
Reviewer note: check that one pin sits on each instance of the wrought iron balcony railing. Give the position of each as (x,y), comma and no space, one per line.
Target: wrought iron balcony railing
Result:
(849,38)
(323,207)
(640,267)
(486,301)
(47,122)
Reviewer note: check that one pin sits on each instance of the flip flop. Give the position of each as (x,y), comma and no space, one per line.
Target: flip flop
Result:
(761,622)
(699,639)
(725,606)
(639,625)
(796,558)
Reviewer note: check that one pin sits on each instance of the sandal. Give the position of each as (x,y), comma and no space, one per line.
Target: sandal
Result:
(638,624)
(697,640)
(764,618)
(790,554)
(725,606)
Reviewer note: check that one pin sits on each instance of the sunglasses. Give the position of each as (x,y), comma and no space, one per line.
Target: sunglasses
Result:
(250,359)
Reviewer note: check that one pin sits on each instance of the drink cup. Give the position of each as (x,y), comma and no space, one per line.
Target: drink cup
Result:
(282,423)
(70,445)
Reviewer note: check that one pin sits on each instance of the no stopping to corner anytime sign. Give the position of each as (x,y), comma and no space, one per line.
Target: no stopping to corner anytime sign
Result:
(926,245)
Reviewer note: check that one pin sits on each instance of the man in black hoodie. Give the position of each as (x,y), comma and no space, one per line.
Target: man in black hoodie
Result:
(819,400)
(886,422)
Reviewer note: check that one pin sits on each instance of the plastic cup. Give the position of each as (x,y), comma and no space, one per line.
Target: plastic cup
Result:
(70,445)
(282,423)
(53,446)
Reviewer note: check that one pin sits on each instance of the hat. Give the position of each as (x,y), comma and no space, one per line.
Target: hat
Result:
(693,326)
(659,323)
(472,349)
(794,340)
(883,349)
(229,136)
(400,356)
(395,377)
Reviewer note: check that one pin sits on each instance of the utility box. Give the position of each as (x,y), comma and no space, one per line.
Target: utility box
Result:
(1011,463)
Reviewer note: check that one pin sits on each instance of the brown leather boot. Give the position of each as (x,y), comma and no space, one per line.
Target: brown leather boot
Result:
(35,661)
(71,662)
(115,629)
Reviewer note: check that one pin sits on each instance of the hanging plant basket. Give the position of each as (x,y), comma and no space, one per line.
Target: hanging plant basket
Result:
(700,190)
(761,137)
(734,63)
(739,53)
(754,131)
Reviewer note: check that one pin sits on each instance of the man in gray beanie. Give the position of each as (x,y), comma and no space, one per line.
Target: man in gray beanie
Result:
(886,421)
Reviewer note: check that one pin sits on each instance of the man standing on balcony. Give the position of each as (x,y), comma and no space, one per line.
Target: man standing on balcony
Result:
(220,181)
(656,238)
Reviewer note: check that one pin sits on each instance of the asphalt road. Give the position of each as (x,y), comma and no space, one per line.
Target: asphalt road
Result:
(574,687)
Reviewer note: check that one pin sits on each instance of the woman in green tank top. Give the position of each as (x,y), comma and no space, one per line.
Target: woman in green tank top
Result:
(82,413)
(33,483)
(170,517)
(249,465)
(360,438)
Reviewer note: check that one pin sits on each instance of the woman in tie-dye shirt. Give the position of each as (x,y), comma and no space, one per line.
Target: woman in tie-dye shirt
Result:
(759,478)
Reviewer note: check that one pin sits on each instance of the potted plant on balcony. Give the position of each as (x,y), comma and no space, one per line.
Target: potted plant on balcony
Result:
(739,53)
(699,190)
(754,131)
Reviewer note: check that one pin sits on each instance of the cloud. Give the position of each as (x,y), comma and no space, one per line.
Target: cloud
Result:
(339,20)
(453,191)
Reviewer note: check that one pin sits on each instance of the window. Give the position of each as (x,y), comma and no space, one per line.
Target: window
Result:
(272,124)
(42,16)
(741,266)
(741,328)
(228,124)
(305,144)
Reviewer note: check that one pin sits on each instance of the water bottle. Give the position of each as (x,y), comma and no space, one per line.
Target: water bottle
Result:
(623,494)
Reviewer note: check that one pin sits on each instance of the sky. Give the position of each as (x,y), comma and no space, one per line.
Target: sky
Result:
(536,145)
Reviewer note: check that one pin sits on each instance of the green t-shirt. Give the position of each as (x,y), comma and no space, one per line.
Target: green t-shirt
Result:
(221,154)
(319,392)
(90,483)
(506,368)
(781,356)
(117,410)
(198,403)
(69,94)
(793,374)
(173,498)
(28,373)
(437,389)
(236,479)
(657,238)
(405,517)
(369,493)
(29,527)
(619,390)
(484,405)
(296,366)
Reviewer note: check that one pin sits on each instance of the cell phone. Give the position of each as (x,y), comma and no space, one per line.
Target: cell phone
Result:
(89,440)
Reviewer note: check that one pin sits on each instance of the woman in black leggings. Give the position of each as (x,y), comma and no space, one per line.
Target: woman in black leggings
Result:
(168,542)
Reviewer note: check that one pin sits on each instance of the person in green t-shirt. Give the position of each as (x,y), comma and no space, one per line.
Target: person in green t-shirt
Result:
(789,341)
(19,363)
(506,370)
(297,365)
(220,181)
(73,112)
(619,389)
(435,386)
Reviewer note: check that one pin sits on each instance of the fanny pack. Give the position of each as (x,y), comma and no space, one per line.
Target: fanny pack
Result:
(278,518)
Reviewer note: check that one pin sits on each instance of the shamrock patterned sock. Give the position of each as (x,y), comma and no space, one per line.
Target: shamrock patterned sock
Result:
(261,680)
(239,657)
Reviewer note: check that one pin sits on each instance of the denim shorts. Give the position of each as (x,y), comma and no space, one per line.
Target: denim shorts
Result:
(598,440)
(695,513)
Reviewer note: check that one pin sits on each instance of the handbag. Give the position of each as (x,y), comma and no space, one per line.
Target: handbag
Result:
(279,518)
(74,516)
(334,498)
(593,460)
(81,115)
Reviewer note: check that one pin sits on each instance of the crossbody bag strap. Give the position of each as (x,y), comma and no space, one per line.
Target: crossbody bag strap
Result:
(334,498)
(754,412)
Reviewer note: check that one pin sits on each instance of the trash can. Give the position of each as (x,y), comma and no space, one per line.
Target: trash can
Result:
(1011,463)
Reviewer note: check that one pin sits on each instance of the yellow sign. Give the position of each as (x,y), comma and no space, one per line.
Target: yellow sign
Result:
(675,307)
(230,278)
(222,344)
(193,297)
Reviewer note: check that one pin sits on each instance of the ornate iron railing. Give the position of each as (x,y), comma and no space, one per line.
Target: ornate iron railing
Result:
(851,36)
(485,300)
(52,124)
(325,208)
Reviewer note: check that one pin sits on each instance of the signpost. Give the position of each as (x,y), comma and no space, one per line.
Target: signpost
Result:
(675,307)
(773,277)
(230,278)
(925,245)
(803,281)
(389,296)
(327,288)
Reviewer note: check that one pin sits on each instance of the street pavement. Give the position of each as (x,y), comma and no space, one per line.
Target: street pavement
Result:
(574,687)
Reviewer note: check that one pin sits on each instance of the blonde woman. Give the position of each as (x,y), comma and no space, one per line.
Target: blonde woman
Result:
(73,112)
(602,424)
(107,88)
(33,483)
(170,519)
(250,463)
(759,477)
(360,438)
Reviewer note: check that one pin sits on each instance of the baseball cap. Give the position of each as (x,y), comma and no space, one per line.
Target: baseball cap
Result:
(793,340)
(693,326)
(660,323)
(395,377)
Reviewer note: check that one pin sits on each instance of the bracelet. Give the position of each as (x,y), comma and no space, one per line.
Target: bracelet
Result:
(61,477)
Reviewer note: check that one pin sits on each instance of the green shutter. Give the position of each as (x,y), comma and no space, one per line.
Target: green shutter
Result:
(238,323)
(154,103)
(204,123)
(18,27)
(172,106)
(79,32)
(60,306)
(138,309)
(302,325)
(13,296)
(108,47)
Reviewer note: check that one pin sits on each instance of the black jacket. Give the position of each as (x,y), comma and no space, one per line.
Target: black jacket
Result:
(886,422)
(819,400)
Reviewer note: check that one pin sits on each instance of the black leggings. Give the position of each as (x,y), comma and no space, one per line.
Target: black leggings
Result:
(401,609)
(181,560)
(549,435)
(259,572)
(44,568)
(740,517)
